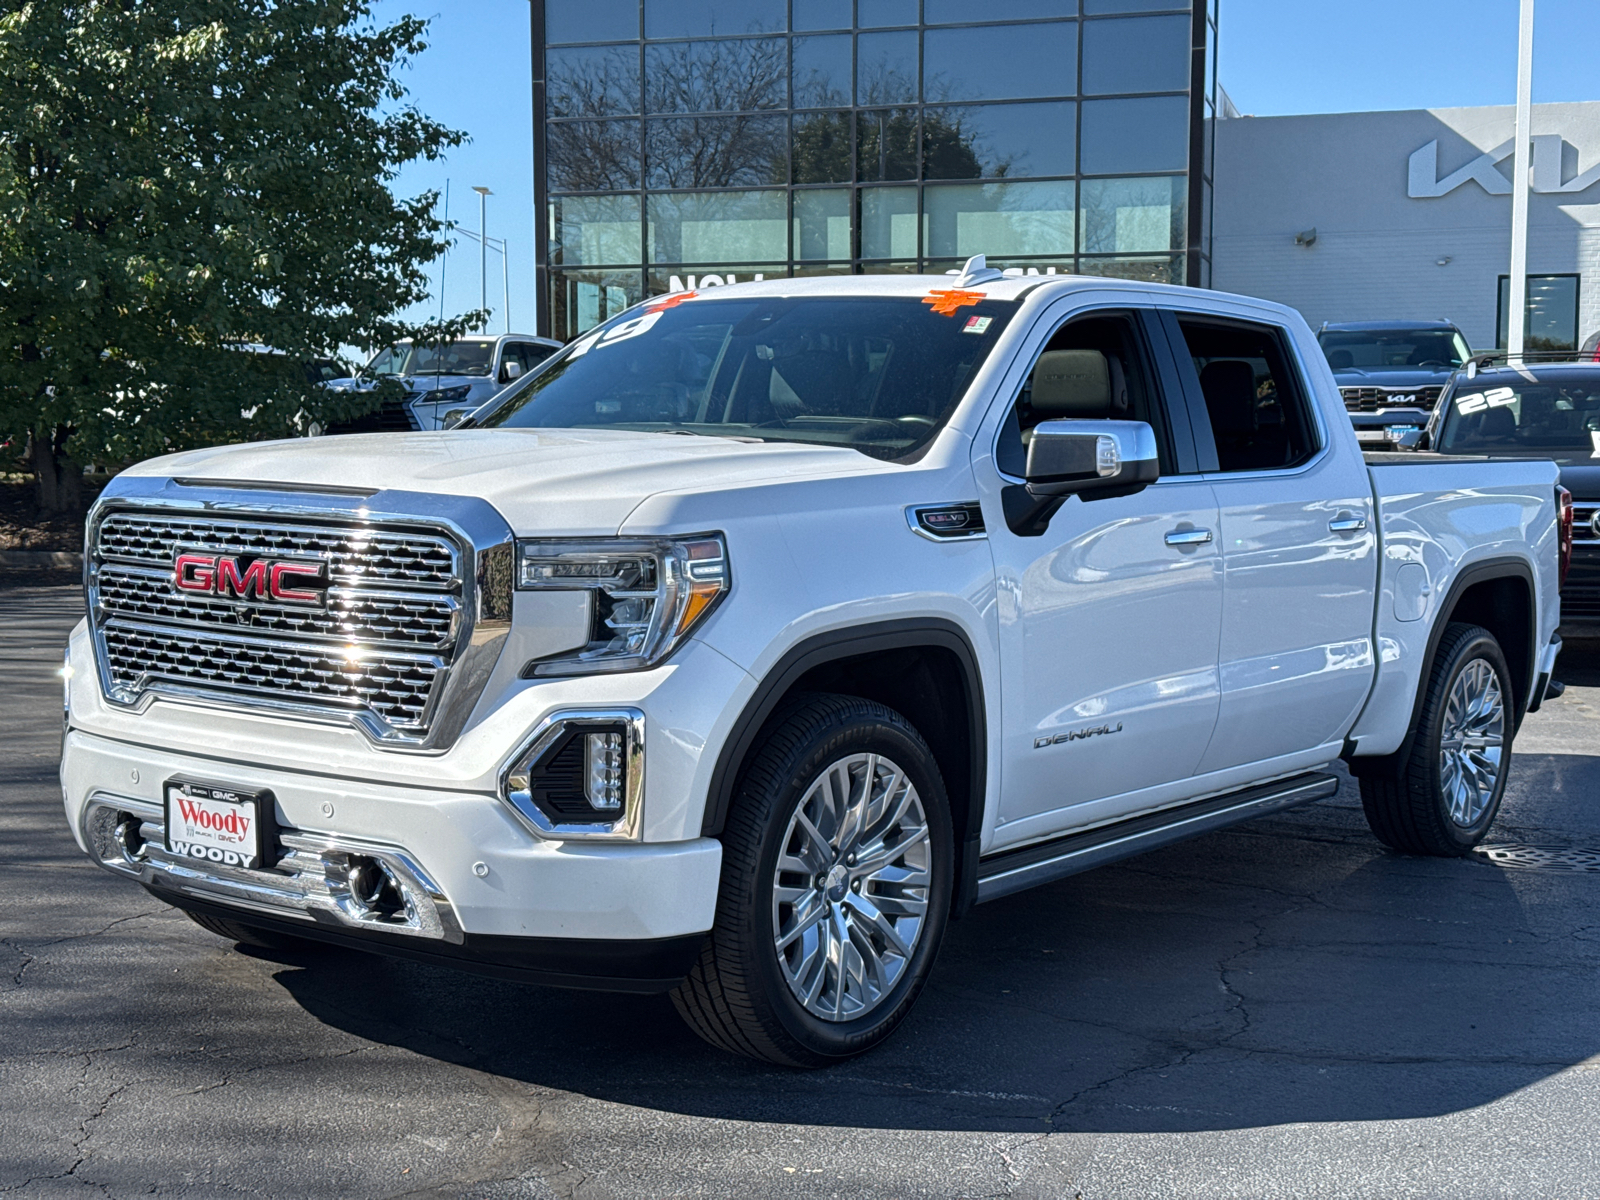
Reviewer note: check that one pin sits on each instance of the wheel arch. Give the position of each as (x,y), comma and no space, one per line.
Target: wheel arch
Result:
(924,668)
(1497,594)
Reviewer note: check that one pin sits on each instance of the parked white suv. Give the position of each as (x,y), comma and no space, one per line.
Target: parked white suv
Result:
(764,631)
(444,383)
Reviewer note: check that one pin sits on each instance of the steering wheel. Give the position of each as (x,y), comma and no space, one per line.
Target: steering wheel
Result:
(1433,362)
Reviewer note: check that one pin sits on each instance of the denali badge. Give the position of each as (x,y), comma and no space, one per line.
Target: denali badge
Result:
(1075,735)
(245,577)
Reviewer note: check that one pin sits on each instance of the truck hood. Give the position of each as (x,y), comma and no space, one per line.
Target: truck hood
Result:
(543,481)
(1410,378)
(1581,477)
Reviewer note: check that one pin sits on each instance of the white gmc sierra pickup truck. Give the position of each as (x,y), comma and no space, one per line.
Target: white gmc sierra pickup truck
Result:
(764,630)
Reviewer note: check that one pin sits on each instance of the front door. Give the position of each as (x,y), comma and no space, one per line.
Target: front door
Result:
(1109,620)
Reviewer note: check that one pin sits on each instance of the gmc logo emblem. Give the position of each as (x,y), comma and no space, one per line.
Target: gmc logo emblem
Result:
(245,578)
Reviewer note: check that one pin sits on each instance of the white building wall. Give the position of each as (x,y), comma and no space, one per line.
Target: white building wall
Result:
(1378,250)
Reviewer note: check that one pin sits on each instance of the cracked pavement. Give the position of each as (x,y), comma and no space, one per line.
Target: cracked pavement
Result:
(1284,1009)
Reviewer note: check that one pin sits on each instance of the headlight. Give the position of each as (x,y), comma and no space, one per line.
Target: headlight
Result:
(451,395)
(648,595)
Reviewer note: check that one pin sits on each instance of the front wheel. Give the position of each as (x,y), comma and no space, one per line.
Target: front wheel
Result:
(1449,790)
(837,865)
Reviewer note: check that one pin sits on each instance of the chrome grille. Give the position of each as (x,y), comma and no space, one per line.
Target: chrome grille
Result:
(395,616)
(353,614)
(355,555)
(395,688)
(1580,595)
(1585,518)
(1371,399)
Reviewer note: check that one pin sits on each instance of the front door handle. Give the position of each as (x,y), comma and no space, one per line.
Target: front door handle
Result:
(1345,523)
(1188,537)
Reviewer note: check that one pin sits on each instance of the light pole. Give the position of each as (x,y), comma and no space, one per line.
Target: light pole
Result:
(498,245)
(483,249)
(1517,318)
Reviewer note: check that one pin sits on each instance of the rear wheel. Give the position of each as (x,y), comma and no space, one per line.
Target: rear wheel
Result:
(837,869)
(250,935)
(1450,788)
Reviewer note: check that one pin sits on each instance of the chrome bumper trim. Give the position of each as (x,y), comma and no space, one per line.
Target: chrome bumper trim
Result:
(310,881)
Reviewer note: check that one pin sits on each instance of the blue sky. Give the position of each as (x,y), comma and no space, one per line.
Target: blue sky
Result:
(1278,56)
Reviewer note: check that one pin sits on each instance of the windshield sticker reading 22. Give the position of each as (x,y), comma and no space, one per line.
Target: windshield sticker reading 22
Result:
(1478,401)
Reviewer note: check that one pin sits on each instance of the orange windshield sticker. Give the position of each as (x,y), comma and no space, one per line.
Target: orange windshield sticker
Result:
(946,301)
(667,302)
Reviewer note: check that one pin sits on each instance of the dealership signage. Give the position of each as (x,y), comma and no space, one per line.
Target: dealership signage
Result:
(1423,180)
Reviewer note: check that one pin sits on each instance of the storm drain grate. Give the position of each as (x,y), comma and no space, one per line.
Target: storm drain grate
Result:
(1542,858)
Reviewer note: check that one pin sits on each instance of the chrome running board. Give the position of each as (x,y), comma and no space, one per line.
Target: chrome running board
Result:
(1026,867)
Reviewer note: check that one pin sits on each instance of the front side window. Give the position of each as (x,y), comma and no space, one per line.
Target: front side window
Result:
(1504,412)
(1257,408)
(1393,349)
(1092,368)
(454,358)
(878,375)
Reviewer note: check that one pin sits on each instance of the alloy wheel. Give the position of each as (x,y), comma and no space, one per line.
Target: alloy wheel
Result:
(851,885)
(1472,744)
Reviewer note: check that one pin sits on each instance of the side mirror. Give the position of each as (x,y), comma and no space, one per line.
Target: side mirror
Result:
(510,371)
(1412,439)
(1092,459)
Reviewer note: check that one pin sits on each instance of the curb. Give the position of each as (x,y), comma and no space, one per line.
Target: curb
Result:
(58,559)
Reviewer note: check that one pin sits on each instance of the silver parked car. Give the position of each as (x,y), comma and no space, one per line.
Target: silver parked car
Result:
(444,383)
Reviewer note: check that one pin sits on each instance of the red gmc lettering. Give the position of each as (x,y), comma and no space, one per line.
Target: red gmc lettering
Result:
(289,571)
(194,572)
(254,578)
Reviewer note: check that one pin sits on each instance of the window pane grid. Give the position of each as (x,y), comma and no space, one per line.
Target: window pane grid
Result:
(865,141)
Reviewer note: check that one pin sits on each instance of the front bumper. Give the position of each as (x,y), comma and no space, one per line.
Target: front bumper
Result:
(478,888)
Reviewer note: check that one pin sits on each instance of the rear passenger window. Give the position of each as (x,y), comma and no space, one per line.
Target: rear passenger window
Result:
(1091,369)
(1257,406)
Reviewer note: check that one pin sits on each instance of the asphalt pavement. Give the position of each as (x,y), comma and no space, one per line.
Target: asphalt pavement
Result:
(1285,1009)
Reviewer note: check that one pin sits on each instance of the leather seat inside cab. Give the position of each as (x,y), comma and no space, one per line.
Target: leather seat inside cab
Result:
(1073,383)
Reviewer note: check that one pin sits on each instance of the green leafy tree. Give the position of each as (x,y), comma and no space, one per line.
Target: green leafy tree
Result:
(180,181)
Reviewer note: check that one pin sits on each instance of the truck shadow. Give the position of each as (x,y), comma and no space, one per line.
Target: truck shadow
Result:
(1290,971)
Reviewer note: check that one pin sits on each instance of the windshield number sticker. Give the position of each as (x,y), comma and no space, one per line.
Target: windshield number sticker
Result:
(617,333)
(1478,401)
(977,325)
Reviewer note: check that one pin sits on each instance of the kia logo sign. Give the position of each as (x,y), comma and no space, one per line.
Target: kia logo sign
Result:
(241,577)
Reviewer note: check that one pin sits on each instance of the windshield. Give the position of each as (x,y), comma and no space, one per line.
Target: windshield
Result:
(1506,412)
(454,358)
(1394,349)
(877,374)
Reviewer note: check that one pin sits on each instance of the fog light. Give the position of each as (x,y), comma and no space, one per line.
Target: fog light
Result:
(603,752)
(580,774)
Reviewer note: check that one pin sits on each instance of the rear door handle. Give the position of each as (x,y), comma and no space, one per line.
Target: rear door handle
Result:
(1188,537)
(1347,524)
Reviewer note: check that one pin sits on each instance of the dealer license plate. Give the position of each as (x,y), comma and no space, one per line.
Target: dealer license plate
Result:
(218,824)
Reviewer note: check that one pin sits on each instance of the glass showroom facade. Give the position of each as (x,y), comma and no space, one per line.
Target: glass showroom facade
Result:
(721,140)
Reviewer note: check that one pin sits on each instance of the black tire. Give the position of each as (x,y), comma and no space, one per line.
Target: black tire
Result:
(737,996)
(250,935)
(1411,812)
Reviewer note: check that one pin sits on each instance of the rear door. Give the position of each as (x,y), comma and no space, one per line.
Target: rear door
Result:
(1108,620)
(1299,551)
